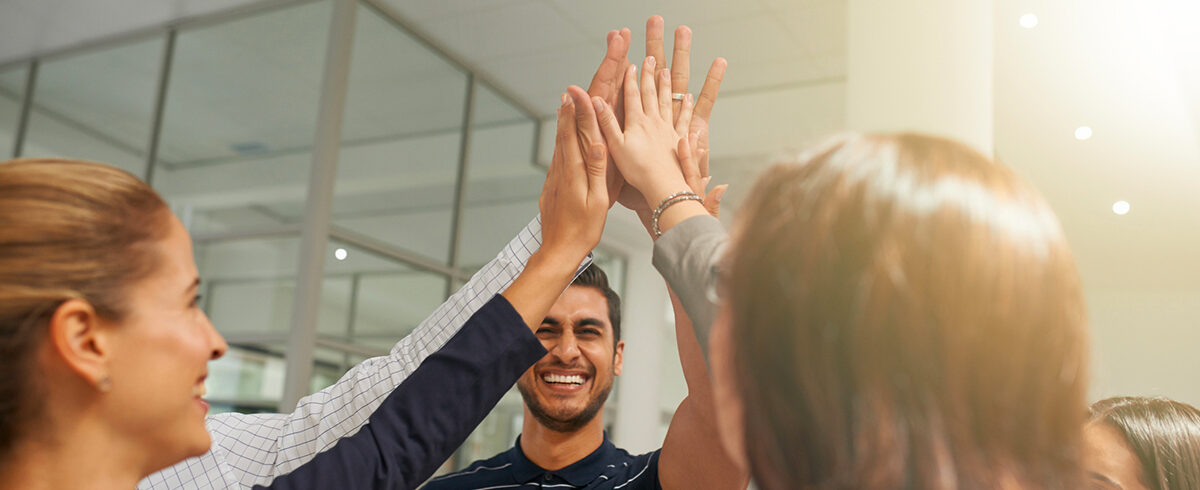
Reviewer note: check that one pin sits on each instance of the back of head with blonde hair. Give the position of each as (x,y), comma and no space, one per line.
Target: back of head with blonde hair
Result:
(906,314)
(68,229)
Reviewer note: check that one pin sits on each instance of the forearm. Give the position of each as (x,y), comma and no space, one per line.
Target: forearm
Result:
(687,257)
(421,422)
(691,358)
(251,450)
(692,455)
(545,277)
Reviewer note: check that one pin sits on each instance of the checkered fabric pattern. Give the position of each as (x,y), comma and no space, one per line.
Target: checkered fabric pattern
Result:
(255,449)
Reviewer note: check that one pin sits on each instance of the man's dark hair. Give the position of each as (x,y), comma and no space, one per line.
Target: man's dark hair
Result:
(594,277)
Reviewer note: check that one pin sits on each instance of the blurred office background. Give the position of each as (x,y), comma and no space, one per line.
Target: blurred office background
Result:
(432,123)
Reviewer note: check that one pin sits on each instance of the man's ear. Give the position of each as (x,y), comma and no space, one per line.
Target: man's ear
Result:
(78,340)
(618,357)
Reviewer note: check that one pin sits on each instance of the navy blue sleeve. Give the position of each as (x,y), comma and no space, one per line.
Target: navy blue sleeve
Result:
(432,412)
(645,478)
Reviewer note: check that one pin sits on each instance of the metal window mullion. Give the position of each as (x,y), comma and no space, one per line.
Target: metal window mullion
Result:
(318,208)
(537,144)
(26,108)
(460,183)
(351,317)
(160,100)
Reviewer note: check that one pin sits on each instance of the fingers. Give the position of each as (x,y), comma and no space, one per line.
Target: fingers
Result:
(664,95)
(648,90)
(684,120)
(708,93)
(556,161)
(572,165)
(654,40)
(687,165)
(712,202)
(618,105)
(607,80)
(681,64)
(681,59)
(702,148)
(592,142)
(608,122)
(633,99)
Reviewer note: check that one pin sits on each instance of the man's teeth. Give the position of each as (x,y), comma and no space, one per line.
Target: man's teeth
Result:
(574,379)
(199,390)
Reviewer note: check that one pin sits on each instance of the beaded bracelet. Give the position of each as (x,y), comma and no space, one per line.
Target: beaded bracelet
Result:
(667,202)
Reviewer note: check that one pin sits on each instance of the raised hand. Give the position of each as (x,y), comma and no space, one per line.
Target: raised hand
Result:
(693,122)
(645,150)
(606,84)
(574,201)
(574,204)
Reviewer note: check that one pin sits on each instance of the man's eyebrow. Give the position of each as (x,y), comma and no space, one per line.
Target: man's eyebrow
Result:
(551,321)
(589,322)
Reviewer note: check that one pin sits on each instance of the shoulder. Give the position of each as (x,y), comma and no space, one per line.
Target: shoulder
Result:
(479,472)
(634,472)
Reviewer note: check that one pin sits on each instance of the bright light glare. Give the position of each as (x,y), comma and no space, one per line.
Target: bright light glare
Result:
(1083,133)
(1029,21)
(340,254)
(1121,207)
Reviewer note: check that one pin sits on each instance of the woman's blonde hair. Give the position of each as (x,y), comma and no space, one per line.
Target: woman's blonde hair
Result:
(906,314)
(68,229)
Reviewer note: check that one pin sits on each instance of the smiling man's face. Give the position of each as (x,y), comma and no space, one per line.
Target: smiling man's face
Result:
(567,388)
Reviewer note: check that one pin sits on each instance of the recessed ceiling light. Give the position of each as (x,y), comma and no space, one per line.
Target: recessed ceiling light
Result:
(1121,208)
(1083,132)
(340,254)
(1029,21)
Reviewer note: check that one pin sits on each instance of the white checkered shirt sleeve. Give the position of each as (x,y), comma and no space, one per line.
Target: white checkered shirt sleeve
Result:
(254,449)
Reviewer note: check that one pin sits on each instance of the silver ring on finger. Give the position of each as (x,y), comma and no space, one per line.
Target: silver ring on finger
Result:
(678,96)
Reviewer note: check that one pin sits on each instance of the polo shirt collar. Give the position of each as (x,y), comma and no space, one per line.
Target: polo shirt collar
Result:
(578,474)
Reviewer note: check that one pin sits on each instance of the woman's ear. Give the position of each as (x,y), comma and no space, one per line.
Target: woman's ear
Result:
(77,339)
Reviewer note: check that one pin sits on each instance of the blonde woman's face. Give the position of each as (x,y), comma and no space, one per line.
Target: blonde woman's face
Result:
(159,358)
(1109,460)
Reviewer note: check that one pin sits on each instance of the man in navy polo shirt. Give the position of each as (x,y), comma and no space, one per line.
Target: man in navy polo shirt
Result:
(563,443)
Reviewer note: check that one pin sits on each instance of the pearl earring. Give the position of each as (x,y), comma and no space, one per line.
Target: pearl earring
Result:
(104,384)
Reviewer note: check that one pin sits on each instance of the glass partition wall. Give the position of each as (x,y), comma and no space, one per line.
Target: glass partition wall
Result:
(435,171)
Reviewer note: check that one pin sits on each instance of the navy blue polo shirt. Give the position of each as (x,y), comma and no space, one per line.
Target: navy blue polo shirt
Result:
(608,467)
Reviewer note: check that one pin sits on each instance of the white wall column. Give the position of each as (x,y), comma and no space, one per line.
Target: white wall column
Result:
(921,65)
(644,308)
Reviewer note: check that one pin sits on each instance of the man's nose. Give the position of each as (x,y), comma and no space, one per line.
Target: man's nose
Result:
(567,348)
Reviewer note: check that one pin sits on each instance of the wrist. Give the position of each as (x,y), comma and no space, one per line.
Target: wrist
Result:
(555,261)
(657,193)
(678,213)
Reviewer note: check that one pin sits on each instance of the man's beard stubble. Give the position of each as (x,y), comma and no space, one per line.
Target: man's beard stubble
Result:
(564,425)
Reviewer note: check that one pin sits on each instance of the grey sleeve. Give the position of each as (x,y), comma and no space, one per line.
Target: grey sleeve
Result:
(687,256)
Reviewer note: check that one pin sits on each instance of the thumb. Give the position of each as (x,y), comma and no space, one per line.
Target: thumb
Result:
(712,202)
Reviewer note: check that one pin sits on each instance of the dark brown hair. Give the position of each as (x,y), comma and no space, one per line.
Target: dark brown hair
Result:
(1164,434)
(906,314)
(594,277)
(68,229)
